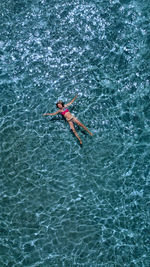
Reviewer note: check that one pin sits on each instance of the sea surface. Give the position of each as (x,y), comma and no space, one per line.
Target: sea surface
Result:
(62,204)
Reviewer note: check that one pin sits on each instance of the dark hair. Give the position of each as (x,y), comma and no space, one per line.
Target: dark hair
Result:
(60,102)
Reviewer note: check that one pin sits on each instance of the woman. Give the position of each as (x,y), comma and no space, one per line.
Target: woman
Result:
(64,111)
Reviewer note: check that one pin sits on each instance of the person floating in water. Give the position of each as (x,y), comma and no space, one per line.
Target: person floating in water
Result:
(64,111)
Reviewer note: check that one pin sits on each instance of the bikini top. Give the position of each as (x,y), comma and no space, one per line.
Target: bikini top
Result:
(65,111)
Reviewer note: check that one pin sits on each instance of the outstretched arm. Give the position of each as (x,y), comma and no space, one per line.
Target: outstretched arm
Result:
(68,104)
(55,113)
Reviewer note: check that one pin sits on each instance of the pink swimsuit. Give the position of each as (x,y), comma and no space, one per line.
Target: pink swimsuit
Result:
(65,111)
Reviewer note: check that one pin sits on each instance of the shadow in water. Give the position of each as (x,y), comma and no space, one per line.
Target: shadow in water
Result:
(57,119)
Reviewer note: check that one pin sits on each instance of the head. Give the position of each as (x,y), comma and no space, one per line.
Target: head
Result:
(60,104)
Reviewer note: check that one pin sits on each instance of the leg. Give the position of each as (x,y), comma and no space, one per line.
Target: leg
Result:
(74,131)
(82,125)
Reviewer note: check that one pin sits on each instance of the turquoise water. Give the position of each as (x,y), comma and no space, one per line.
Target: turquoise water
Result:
(62,204)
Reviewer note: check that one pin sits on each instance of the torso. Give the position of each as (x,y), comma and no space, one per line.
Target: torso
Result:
(66,113)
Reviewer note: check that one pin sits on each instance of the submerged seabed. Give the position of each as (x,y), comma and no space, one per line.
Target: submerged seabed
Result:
(62,204)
